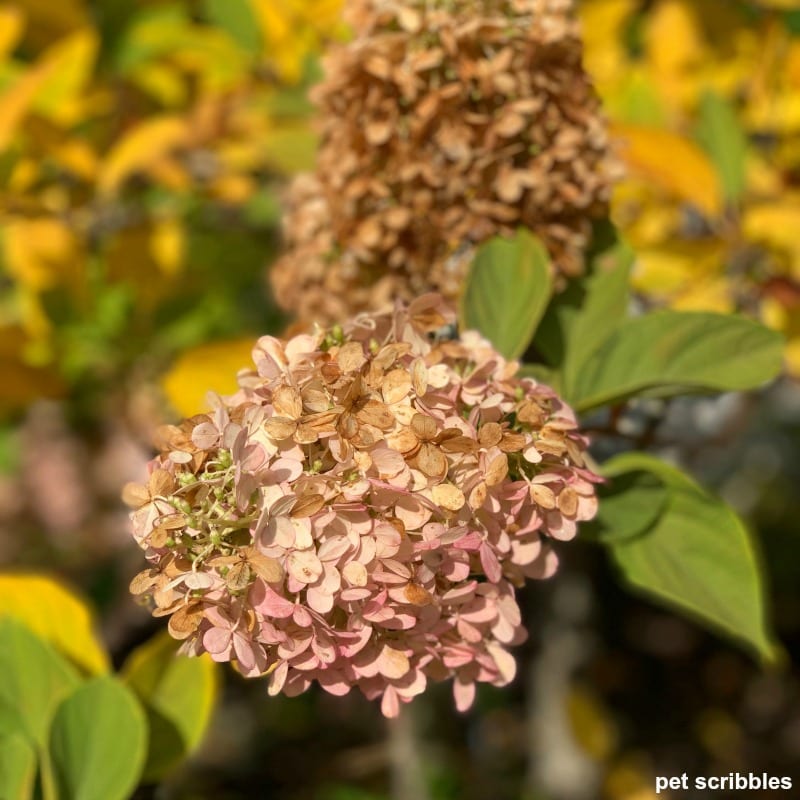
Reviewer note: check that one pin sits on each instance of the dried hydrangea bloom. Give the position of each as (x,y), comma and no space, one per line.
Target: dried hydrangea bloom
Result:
(442,125)
(359,513)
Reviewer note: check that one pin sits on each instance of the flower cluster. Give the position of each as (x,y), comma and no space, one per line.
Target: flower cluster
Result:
(442,125)
(359,513)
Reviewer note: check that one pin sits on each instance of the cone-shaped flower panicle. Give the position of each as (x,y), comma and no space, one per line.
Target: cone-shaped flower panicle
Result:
(443,123)
(359,513)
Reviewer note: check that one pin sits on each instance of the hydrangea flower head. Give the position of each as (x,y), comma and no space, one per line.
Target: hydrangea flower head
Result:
(442,124)
(360,512)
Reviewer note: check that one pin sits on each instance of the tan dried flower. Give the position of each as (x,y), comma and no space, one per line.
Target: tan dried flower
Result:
(442,125)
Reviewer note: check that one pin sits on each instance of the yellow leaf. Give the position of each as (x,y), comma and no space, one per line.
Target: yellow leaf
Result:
(168,245)
(674,163)
(140,147)
(208,367)
(673,268)
(776,225)
(49,20)
(675,48)
(56,614)
(41,252)
(69,63)
(12,23)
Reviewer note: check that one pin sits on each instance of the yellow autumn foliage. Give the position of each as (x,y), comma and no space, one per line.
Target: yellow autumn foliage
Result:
(704,100)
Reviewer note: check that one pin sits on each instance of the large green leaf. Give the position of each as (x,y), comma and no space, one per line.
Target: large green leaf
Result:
(507,291)
(17,767)
(179,695)
(667,353)
(98,742)
(34,679)
(697,557)
(56,614)
(604,309)
(721,134)
(630,503)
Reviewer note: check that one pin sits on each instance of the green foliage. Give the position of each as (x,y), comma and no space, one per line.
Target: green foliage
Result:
(507,292)
(178,694)
(35,680)
(17,767)
(98,742)
(694,554)
(668,353)
(721,134)
(607,296)
(669,538)
(86,736)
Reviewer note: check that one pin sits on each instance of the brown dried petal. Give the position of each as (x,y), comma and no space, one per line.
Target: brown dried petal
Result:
(376,413)
(307,505)
(417,596)
(490,434)
(568,501)
(497,470)
(280,428)
(351,356)
(431,460)
(287,402)
(396,385)
(185,621)
(543,496)
(144,581)
(448,496)
(512,442)
(172,522)
(459,444)
(135,495)
(161,483)
(530,413)
(424,427)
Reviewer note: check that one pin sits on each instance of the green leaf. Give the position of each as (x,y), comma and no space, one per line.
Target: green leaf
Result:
(697,557)
(507,291)
(98,742)
(35,679)
(17,767)
(604,309)
(667,353)
(56,614)
(721,134)
(179,695)
(629,505)
(237,18)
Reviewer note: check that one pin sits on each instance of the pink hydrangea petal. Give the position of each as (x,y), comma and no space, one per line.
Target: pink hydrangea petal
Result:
(463,694)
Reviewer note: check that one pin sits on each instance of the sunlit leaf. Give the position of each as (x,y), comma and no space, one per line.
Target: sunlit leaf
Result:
(507,291)
(59,97)
(35,680)
(667,353)
(17,767)
(178,694)
(208,367)
(674,163)
(98,742)
(698,558)
(604,309)
(630,505)
(55,614)
(139,148)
